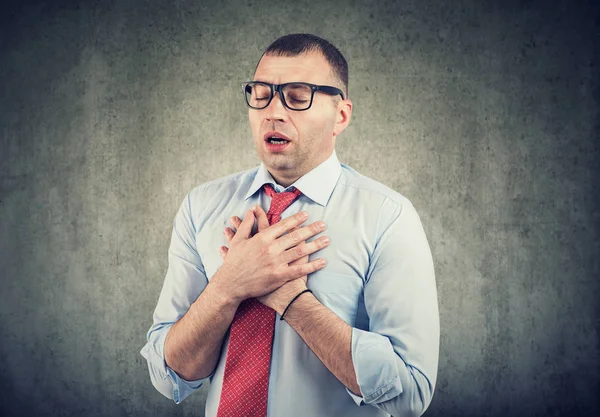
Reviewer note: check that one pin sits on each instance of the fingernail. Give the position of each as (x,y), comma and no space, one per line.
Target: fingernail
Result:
(303,214)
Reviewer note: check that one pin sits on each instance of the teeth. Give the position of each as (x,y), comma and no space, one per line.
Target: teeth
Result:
(277,141)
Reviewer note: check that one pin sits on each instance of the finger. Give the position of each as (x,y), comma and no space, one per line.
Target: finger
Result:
(293,229)
(243,232)
(229,234)
(299,261)
(223,251)
(303,249)
(261,216)
(279,228)
(298,271)
(295,237)
(235,222)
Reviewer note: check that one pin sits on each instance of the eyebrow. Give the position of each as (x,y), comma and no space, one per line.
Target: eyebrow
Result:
(289,82)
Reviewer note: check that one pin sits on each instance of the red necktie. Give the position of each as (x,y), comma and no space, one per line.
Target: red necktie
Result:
(246,377)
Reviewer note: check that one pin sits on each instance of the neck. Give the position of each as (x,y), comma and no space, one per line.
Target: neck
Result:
(284,182)
(287,180)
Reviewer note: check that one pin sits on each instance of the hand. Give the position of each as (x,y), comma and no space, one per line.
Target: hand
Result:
(257,265)
(281,297)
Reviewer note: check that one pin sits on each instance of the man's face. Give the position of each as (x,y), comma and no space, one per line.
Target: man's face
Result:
(311,132)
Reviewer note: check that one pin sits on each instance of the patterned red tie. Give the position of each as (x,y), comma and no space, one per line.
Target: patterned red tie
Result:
(246,377)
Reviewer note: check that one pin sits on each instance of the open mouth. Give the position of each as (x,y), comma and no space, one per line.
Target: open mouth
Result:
(277,141)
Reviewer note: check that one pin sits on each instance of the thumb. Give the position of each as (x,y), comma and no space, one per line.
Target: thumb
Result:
(243,232)
(223,250)
(261,216)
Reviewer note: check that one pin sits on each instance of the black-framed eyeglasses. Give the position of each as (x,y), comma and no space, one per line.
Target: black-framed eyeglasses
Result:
(297,96)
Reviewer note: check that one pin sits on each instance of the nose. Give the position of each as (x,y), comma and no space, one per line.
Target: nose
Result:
(275,110)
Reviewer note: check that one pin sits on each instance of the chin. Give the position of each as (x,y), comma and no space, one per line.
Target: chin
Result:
(279,162)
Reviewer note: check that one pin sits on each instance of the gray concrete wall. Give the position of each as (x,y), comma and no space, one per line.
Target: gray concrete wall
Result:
(484,114)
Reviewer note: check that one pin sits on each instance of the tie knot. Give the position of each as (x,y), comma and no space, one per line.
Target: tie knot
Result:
(279,202)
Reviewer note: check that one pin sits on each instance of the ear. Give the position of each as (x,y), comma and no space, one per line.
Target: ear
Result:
(343,116)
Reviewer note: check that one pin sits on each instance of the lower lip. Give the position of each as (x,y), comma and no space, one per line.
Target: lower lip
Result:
(273,147)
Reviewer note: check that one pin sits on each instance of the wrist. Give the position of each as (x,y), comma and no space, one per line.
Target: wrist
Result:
(287,293)
(284,312)
(221,296)
(303,307)
(224,289)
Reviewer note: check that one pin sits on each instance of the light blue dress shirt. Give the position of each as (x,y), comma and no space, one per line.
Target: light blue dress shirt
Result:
(379,279)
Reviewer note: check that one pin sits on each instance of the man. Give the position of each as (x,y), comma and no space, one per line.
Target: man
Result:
(359,334)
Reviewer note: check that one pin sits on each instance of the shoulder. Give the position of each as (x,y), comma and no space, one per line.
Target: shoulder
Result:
(224,186)
(211,195)
(372,191)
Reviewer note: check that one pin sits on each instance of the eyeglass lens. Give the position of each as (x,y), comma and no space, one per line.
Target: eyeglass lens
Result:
(296,96)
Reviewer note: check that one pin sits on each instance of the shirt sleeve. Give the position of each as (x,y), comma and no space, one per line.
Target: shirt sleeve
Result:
(184,281)
(396,360)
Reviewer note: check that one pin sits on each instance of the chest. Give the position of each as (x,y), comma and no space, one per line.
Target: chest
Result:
(339,285)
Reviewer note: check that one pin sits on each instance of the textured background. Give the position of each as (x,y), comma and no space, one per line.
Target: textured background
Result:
(484,114)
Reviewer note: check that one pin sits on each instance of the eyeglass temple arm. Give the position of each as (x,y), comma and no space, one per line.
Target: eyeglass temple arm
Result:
(334,91)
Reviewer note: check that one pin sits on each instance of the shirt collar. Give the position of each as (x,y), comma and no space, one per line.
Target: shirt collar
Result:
(317,184)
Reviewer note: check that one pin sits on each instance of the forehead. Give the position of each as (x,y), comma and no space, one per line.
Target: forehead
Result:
(309,67)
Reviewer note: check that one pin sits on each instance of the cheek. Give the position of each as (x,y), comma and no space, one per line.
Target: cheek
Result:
(321,126)
(254,124)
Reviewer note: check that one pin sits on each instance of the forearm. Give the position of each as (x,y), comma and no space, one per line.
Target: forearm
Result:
(328,336)
(193,344)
